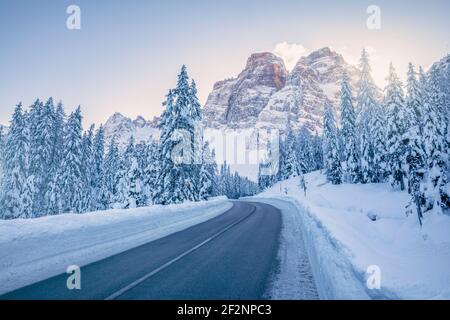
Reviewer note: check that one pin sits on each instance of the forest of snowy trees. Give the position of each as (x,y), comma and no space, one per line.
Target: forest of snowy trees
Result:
(397,137)
(49,165)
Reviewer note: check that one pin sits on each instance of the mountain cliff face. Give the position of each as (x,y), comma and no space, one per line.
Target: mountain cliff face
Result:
(266,96)
(236,103)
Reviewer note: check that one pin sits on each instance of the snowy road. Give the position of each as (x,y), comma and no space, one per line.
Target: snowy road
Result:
(231,256)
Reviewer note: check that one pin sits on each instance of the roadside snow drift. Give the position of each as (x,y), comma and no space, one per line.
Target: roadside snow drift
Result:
(36,249)
(347,228)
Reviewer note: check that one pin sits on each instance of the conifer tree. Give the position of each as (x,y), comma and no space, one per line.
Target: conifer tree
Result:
(330,148)
(348,132)
(397,126)
(98,152)
(435,144)
(109,183)
(87,165)
(71,172)
(151,173)
(366,107)
(178,145)
(290,162)
(18,188)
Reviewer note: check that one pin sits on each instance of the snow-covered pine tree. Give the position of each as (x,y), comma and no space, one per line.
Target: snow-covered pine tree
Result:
(198,141)
(365,108)
(348,132)
(206,178)
(179,126)
(304,150)
(210,164)
(290,167)
(2,150)
(123,176)
(434,136)
(109,184)
(142,150)
(71,172)
(214,173)
(226,180)
(330,147)
(413,101)
(98,153)
(196,119)
(134,185)
(53,192)
(87,165)
(41,121)
(317,151)
(380,157)
(397,126)
(416,170)
(17,184)
(151,172)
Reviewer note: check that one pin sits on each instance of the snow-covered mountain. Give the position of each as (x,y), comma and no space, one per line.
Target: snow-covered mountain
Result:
(236,103)
(265,95)
(123,128)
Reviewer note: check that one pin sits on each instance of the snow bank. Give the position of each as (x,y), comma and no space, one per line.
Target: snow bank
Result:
(348,228)
(294,279)
(35,249)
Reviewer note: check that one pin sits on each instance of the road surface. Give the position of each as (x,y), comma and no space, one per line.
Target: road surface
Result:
(231,256)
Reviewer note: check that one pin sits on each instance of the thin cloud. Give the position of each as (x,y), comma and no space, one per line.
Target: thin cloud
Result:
(290,53)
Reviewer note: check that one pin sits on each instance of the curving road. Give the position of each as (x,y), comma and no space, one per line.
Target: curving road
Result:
(231,256)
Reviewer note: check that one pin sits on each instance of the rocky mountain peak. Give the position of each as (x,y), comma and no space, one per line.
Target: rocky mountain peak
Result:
(139,122)
(244,97)
(265,95)
(123,128)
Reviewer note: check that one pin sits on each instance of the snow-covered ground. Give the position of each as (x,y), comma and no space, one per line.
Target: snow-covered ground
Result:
(35,249)
(343,240)
(294,279)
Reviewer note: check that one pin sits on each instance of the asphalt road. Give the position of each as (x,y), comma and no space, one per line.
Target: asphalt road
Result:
(231,256)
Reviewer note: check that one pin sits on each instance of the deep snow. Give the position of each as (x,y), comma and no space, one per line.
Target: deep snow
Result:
(342,240)
(35,249)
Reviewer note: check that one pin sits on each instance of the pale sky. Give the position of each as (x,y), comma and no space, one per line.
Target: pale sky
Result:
(128,53)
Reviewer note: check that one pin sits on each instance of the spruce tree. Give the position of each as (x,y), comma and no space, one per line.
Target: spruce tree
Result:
(178,145)
(41,122)
(397,126)
(98,152)
(87,164)
(290,161)
(380,157)
(151,173)
(18,188)
(304,150)
(109,184)
(52,200)
(348,132)
(414,105)
(366,107)
(2,150)
(416,168)
(123,176)
(206,178)
(71,172)
(133,196)
(435,144)
(330,148)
